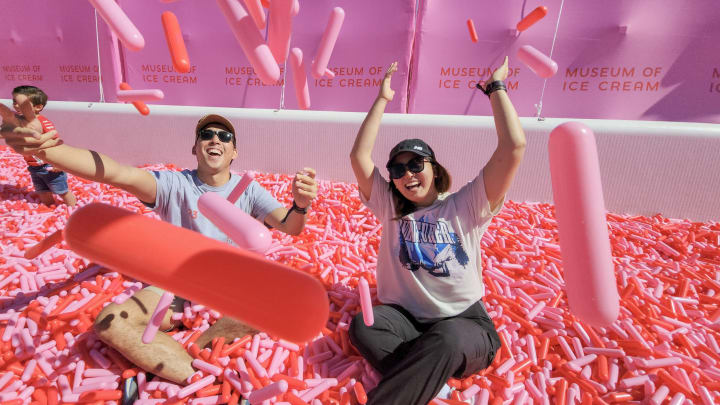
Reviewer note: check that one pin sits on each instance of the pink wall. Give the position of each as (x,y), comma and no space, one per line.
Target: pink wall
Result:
(56,50)
(219,65)
(666,64)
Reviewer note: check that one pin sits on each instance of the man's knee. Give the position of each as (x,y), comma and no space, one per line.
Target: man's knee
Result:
(115,319)
(227,328)
(108,320)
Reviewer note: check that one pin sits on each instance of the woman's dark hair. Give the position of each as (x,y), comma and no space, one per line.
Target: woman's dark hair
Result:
(403,206)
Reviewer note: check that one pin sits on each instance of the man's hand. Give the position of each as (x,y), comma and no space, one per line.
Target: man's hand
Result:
(27,119)
(24,133)
(26,141)
(9,120)
(385,91)
(304,187)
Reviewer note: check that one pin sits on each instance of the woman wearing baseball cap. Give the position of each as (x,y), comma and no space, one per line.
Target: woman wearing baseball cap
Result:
(432,324)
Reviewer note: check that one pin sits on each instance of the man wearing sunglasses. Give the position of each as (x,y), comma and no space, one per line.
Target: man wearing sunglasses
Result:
(173,195)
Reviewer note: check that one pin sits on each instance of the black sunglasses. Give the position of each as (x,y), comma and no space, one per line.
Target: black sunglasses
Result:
(223,136)
(415,165)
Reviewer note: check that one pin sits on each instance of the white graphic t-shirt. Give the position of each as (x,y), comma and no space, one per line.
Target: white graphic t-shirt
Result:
(429,261)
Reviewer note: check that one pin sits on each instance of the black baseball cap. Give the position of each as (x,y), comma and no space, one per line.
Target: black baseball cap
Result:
(416,146)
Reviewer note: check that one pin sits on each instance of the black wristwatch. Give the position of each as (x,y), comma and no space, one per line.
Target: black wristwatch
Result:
(492,87)
(298,209)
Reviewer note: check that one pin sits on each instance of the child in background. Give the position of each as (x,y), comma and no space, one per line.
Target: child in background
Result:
(432,323)
(45,178)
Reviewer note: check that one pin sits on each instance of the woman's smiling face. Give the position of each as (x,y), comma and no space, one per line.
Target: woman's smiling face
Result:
(416,187)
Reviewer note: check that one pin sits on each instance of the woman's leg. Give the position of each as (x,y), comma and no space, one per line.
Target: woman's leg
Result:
(386,341)
(439,353)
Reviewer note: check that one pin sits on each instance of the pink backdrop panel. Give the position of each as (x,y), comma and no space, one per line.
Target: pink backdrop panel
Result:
(448,65)
(618,59)
(222,76)
(374,34)
(647,59)
(212,50)
(52,46)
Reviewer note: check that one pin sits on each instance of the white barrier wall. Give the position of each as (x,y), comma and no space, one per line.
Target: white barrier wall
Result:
(647,167)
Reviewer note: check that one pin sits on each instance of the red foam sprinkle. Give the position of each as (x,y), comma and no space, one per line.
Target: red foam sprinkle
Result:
(668,273)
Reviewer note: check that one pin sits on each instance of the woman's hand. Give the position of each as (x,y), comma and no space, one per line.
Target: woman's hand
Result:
(501,73)
(385,91)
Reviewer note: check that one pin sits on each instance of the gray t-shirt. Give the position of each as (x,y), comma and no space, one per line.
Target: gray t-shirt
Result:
(178,194)
(429,261)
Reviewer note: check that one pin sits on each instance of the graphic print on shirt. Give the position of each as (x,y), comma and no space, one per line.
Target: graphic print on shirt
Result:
(431,244)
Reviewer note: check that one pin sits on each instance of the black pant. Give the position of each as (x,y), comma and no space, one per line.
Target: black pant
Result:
(415,358)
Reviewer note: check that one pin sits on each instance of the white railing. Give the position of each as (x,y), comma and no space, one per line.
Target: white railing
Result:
(647,167)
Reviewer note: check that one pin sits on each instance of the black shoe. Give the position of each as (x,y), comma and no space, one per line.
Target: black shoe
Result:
(129,391)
